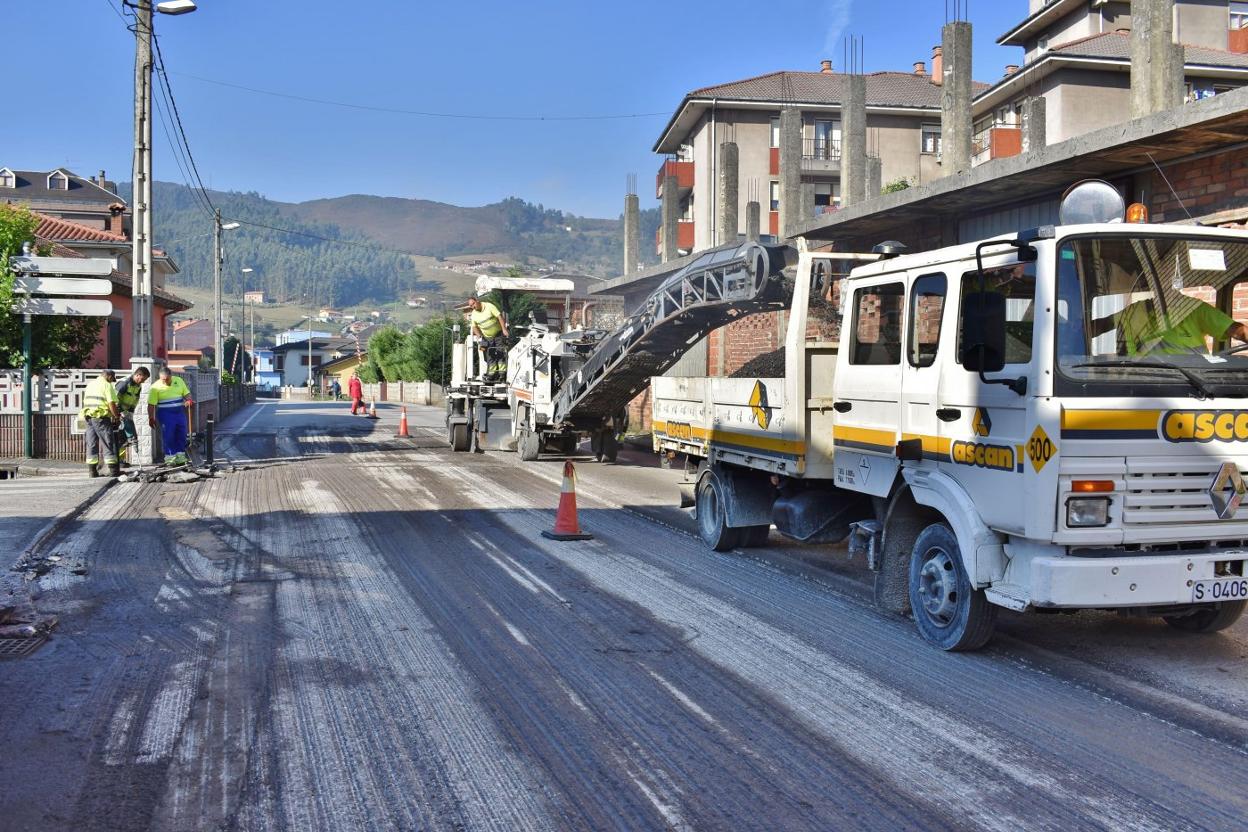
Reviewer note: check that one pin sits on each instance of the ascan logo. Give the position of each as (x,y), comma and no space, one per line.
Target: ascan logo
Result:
(997,457)
(1205,426)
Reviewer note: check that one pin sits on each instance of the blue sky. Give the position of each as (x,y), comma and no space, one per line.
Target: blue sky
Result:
(72,62)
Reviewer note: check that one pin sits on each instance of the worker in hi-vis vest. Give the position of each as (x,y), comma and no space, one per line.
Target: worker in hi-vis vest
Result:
(99,411)
(168,404)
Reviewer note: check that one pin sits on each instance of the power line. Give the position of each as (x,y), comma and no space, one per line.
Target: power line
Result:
(342,242)
(176,147)
(177,117)
(423,113)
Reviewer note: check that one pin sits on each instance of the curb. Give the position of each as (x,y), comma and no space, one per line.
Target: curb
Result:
(61,520)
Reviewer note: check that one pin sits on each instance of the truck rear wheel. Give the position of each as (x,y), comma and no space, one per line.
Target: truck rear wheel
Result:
(460,438)
(1209,618)
(605,446)
(755,535)
(529,444)
(713,525)
(948,611)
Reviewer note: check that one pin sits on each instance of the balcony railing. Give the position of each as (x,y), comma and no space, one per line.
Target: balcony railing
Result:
(996,143)
(683,171)
(684,237)
(826,150)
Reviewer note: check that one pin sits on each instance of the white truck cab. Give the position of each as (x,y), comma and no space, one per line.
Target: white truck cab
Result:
(1047,420)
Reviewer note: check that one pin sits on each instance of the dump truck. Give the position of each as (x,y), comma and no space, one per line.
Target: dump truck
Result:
(1048,420)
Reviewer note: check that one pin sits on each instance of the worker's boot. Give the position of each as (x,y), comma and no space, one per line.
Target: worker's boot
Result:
(92,470)
(111,470)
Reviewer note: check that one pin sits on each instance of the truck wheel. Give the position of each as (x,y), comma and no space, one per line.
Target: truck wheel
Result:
(529,445)
(610,447)
(568,444)
(1209,618)
(713,525)
(948,611)
(752,536)
(461,439)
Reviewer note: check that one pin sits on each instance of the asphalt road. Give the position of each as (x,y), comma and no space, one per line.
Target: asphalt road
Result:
(360,632)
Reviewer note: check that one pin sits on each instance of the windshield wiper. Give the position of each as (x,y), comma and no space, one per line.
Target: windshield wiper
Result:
(1192,378)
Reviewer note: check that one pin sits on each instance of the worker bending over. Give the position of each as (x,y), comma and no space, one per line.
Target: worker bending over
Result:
(99,411)
(168,404)
(128,391)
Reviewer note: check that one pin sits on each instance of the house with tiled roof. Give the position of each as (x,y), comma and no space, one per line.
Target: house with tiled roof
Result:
(69,239)
(903,132)
(1077,57)
(90,202)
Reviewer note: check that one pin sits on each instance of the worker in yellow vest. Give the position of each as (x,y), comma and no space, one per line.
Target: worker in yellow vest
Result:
(168,405)
(99,411)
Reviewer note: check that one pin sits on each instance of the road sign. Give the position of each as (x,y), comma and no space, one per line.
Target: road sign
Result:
(87,266)
(62,306)
(31,285)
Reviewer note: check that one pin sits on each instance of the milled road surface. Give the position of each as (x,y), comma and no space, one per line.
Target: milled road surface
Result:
(367,633)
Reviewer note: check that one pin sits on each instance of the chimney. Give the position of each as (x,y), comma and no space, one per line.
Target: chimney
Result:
(825,66)
(1010,69)
(920,68)
(938,66)
(116,217)
(102,180)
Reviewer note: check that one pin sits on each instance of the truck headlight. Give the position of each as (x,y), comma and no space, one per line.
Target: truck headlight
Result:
(1083,512)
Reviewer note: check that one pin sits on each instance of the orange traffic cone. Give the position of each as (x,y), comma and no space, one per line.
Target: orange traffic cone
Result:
(372,409)
(403,434)
(566,525)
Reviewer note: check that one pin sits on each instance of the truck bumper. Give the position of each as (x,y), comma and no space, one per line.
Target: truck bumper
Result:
(1150,580)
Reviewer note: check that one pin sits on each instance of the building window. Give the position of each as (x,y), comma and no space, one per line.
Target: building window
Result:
(775,196)
(58,181)
(316,360)
(775,132)
(931,138)
(7,178)
(827,197)
(827,143)
(1042,44)
(1239,15)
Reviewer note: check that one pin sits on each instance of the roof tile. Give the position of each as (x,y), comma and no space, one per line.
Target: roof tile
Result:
(884,89)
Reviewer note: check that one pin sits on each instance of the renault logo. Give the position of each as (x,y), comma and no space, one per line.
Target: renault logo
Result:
(1227,491)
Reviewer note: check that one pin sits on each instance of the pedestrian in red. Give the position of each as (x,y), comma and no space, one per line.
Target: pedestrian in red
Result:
(356,391)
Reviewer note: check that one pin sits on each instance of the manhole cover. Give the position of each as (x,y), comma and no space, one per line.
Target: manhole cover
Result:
(16,648)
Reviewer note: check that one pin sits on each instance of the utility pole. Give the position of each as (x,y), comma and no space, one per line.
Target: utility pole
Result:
(142,345)
(217,257)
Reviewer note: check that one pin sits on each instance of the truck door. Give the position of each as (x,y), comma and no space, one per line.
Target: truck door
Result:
(868,388)
(921,410)
(987,440)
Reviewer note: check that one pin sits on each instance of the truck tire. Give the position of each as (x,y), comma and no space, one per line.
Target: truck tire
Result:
(529,445)
(713,525)
(608,447)
(1209,618)
(948,612)
(461,438)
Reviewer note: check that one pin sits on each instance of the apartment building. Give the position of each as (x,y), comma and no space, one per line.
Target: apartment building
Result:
(1077,57)
(91,202)
(903,132)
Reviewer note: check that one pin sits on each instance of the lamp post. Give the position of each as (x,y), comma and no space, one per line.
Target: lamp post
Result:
(142,344)
(217,261)
(252,336)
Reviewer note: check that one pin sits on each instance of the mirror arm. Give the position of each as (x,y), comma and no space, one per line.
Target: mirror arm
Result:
(1018,385)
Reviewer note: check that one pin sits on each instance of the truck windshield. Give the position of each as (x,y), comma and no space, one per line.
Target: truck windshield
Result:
(1153,311)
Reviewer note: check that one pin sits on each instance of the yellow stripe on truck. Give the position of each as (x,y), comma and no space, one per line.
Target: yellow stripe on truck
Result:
(885,440)
(748,440)
(1110,419)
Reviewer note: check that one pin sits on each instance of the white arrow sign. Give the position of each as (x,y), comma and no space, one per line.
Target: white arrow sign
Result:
(87,266)
(23,284)
(62,306)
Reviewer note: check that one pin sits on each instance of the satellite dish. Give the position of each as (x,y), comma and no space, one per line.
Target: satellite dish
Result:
(1091,201)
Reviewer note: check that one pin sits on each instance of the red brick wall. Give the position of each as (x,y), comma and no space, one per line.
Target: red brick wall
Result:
(1205,186)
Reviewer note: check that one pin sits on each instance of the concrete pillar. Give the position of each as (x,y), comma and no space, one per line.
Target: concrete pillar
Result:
(790,169)
(1034,123)
(753,214)
(670,210)
(955,103)
(1156,60)
(728,192)
(632,233)
(875,177)
(808,200)
(854,141)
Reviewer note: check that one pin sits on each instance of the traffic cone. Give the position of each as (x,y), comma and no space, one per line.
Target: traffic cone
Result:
(566,525)
(403,434)
(372,409)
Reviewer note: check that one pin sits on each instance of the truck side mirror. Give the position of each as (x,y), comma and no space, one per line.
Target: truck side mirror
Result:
(983,332)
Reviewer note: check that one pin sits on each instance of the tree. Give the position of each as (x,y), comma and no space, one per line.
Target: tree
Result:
(516,306)
(58,342)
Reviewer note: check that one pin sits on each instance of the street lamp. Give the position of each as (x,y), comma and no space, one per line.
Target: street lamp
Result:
(218,259)
(252,337)
(142,344)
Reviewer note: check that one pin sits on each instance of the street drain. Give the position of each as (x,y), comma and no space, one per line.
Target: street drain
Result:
(18,648)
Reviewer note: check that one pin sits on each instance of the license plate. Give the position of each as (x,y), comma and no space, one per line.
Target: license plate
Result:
(1220,589)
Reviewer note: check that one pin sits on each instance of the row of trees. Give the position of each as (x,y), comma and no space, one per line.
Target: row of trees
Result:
(57,341)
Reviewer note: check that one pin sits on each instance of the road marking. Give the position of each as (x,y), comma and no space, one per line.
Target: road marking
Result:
(259,406)
(681,697)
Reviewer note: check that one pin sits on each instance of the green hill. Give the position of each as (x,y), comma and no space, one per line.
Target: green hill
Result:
(370,263)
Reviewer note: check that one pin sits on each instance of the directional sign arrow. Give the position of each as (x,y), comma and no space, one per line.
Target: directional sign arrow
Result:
(62,306)
(88,266)
(30,285)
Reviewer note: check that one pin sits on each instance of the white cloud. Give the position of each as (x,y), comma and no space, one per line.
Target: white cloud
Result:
(837,17)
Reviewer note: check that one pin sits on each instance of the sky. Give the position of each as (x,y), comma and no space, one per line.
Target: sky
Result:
(497,66)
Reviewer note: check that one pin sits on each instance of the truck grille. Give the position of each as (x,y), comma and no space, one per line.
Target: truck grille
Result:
(1174,491)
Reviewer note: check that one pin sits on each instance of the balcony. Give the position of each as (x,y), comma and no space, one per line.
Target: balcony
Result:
(821,155)
(684,237)
(773,162)
(996,143)
(1237,40)
(683,171)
